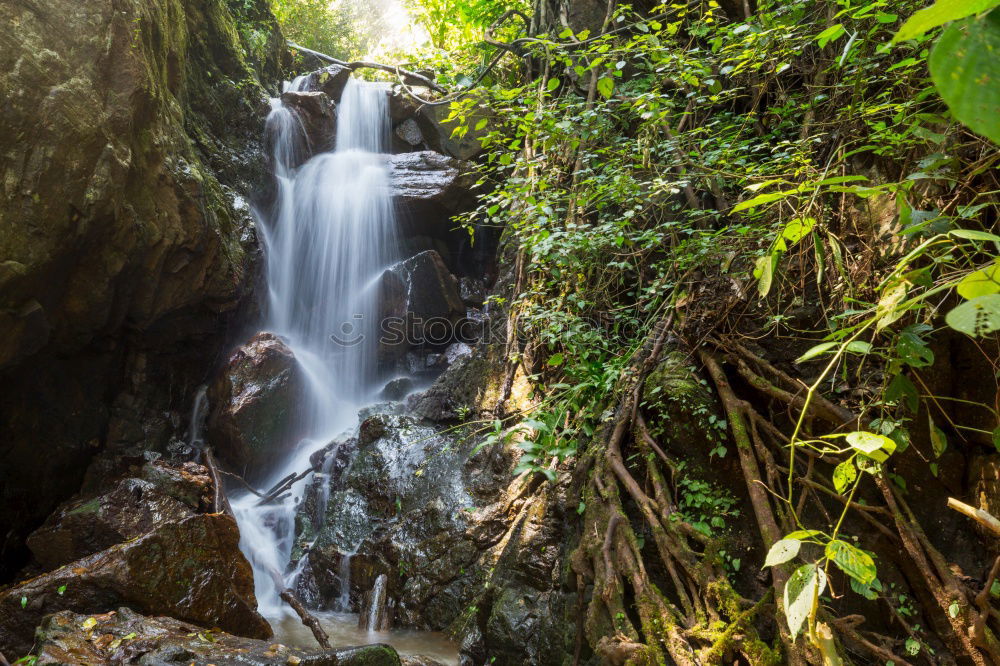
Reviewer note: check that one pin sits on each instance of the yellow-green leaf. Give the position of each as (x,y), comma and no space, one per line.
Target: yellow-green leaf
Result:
(982,282)
(853,561)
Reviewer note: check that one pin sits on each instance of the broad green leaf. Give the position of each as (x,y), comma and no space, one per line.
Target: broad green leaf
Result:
(552,84)
(858,347)
(876,447)
(606,86)
(782,551)
(996,438)
(913,350)
(764,272)
(941,12)
(819,349)
(902,390)
(887,310)
(869,591)
(801,592)
(965,68)
(982,282)
(796,230)
(853,561)
(979,316)
(762,199)
(844,475)
(555,359)
(973,234)
(831,34)
(939,441)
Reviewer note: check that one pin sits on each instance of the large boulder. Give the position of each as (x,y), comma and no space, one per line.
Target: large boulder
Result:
(192,570)
(426,179)
(254,400)
(125,637)
(421,306)
(130,508)
(317,118)
(331,80)
(131,137)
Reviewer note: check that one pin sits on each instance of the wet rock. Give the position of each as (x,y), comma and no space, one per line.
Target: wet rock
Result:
(131,508)
(437,132)
(253,400)
(427,179)
(137,126)
(402,105)
(125,637)
(316,114)
(473,291)
(397,389)
(421,306)
(455,352)
(330,80)
(472,385)
(431,290)
(409,133)
(192,570)
(420,660)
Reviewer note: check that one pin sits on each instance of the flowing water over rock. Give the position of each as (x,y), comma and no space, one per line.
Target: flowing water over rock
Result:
(328,237)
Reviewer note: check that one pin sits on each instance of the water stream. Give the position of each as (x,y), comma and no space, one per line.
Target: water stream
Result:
(328,238)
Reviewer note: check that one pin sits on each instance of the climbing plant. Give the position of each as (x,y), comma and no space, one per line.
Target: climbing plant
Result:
(696,175)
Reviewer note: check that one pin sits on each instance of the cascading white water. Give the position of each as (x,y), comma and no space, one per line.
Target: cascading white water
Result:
(329,237)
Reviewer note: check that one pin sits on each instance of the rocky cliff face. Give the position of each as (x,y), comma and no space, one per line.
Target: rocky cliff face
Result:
(130,133)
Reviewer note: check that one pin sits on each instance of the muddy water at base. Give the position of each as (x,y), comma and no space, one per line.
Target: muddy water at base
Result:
(344,632)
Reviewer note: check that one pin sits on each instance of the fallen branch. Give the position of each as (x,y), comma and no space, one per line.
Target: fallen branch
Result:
(308,619)
(363,64)
(984,518)
(220,503)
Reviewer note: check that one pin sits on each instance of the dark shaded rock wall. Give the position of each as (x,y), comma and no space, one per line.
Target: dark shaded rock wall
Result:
(130,135)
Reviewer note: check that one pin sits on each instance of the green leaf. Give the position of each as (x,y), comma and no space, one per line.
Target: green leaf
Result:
(804,534)
(912,349)
(939,441)
(876,447)
(979,316)
(782,551)
(831,34)
(972,234)
(954,609)
(844,475)
(902,390)
(996,438)
(858,347)
(801,592)
(887,310)
(965,68)
(483,122)
(552,84)
(795,231)
(980,283)
(853,561)
(606,86)
(819,349)
(764,272)
(24,601)
(941,12)
(869,591)
(762,199)
(555,359)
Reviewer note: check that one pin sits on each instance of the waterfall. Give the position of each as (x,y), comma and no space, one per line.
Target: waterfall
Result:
(327,240)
